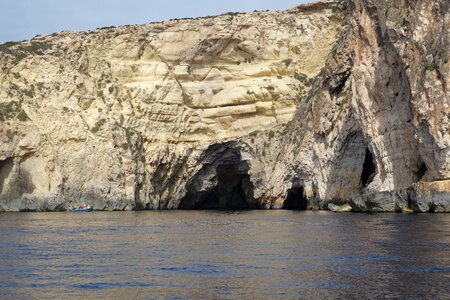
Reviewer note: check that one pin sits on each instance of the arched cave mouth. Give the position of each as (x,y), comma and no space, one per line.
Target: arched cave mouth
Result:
(296,199)
(229,186)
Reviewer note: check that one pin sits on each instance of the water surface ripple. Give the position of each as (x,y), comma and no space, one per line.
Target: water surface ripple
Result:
(226,255)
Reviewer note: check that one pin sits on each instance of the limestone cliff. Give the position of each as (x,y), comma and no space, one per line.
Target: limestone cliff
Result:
(122,118)
(336,102)
(375,128)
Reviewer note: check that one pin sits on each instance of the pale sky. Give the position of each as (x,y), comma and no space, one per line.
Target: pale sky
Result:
(23,19)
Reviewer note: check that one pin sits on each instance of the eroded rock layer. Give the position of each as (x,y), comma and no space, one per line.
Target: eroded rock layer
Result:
(333,105)
(123,118)
(375,127)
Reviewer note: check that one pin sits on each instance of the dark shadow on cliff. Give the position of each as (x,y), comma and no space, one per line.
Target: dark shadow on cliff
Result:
(296,199)
(21,182)
(369,169)
(5,169)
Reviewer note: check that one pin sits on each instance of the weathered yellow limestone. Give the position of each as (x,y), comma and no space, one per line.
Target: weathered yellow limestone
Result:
(376,128)
(335,105)
(108,109)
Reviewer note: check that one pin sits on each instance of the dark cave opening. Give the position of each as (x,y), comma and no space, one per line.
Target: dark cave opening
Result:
(296,199)
(233,190)
(422,171)
(337,84)
(369,169)
(5,168)
(432,209)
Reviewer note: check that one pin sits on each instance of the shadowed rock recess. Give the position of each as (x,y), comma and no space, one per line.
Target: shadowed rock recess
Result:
(335,104)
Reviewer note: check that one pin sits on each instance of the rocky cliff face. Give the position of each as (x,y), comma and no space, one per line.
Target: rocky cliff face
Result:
(342,102)
(375,127)
(127,118)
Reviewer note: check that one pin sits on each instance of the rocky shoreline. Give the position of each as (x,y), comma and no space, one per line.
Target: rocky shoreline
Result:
(421,198)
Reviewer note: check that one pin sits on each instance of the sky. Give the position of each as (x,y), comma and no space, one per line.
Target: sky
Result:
(24,19)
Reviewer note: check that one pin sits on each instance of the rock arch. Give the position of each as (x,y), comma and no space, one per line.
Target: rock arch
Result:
(223,182)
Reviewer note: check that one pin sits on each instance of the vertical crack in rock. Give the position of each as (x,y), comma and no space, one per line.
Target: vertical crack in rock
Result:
(139,173)
(137,196)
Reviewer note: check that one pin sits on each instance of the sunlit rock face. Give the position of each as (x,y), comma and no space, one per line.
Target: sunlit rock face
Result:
(334,104)
(121,118)
(375,127)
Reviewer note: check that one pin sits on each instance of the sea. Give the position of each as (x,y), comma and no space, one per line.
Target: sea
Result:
(255,254)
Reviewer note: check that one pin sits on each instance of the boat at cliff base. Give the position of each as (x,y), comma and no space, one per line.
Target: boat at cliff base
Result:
(83,208)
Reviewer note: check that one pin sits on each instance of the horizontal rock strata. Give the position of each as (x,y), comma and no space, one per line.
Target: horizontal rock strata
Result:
(340,105)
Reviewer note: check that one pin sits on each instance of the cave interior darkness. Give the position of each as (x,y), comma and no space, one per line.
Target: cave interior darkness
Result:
(369,169)
(224,183)
(233,190)
(296,199)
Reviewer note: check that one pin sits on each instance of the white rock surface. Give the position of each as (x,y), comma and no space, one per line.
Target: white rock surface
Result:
(119,117)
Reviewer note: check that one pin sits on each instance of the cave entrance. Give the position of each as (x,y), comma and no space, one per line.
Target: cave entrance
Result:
(233,190)
(5,169)
(369,169)
(422,171)
(296,199)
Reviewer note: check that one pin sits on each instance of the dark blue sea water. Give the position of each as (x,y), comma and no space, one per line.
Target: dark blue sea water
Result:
(224,255)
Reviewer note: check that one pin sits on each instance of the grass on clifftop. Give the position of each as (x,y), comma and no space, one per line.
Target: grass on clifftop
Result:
(20,50)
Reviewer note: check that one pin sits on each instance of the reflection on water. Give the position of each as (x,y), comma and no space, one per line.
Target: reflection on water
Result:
(207,254)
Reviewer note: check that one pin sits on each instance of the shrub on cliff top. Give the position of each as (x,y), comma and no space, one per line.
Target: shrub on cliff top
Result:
(22,50)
